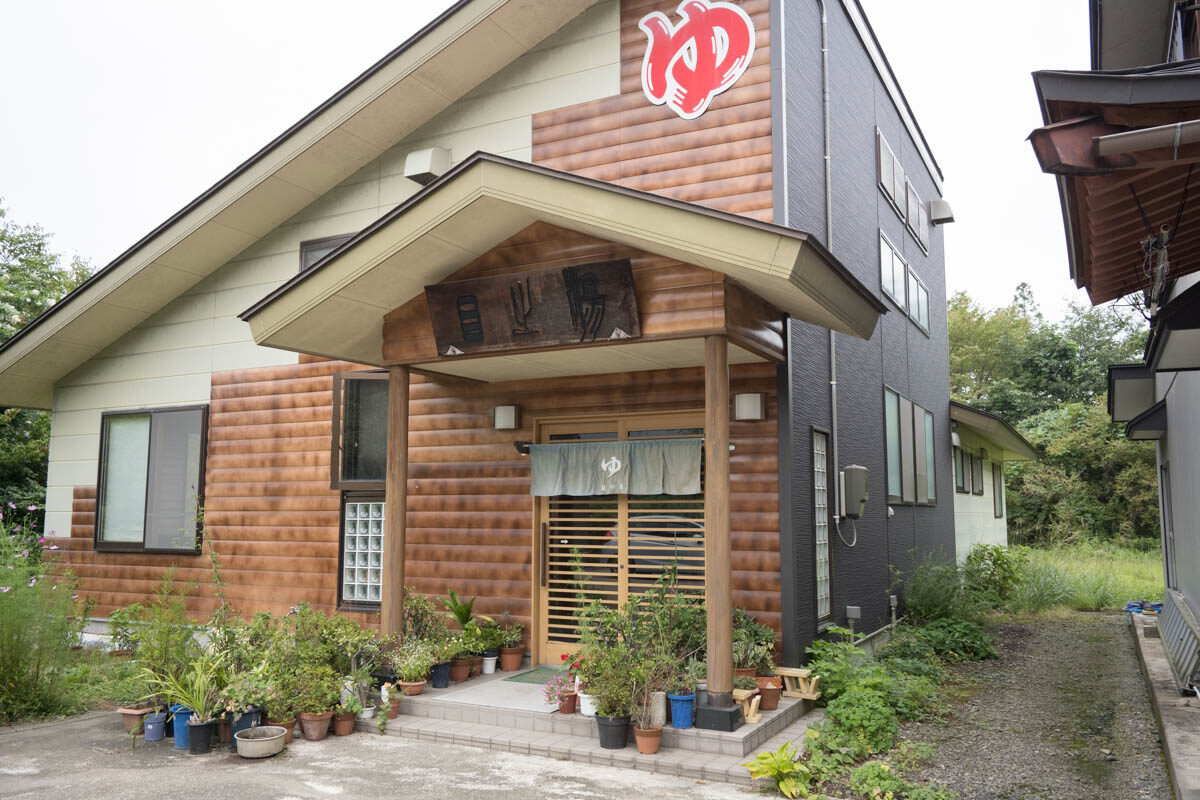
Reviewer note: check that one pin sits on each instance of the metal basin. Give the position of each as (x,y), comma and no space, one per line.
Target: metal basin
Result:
(261,742)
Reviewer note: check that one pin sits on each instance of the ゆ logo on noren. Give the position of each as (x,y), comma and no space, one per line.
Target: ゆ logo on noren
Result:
(688,64)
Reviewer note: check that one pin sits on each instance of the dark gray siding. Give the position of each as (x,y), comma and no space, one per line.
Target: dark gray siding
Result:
(899,355)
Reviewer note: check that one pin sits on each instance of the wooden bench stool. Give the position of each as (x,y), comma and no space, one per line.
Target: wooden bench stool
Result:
(799,682)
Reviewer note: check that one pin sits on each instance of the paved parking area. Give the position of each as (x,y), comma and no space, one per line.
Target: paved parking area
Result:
(90,757)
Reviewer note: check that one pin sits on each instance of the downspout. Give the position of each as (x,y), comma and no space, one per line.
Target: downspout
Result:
(833,415)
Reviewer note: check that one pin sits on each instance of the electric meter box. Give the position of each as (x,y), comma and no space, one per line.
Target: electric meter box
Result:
(853,495)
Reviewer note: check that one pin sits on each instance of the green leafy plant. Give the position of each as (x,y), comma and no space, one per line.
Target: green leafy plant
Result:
(937,590)
(838,661)
(783,768)
(865,717)
(421,617)
(510,631)
(460,612)
(315,689)
(490,635)
(414,661)
(956,640)
(991,572)
(165,639)
(197,688)
(876,780)
(609,680)
(350,705)
(742,682)
(121,624)
(246,690)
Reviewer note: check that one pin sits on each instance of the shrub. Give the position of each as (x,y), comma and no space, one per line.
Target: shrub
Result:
(956,640)
(783,768)
(314,689)
(866,719)
(875,779)
(1040,587)
(165,639)
(422,620)
(911,697)
(936,590)
(839,662)
(414,661)
(917,667)
(991,572)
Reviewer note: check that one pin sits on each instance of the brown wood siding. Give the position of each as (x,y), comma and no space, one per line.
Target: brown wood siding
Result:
(721,160)
(274,521)
(674,299)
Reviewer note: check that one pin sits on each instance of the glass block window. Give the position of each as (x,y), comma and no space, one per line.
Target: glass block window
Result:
(821,520)
(362,551)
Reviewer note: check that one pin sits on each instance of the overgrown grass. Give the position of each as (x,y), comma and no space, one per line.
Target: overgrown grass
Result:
(1085,577)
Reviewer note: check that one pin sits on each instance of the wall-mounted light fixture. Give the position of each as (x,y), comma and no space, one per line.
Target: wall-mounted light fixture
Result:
(750,407)
(983,454)
(505,418)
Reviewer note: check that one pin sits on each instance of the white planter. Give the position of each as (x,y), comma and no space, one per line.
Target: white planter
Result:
(489,664)
(367,714)
(587,705)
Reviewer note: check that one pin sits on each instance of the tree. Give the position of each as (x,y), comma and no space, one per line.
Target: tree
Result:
(1049,380)
(32,278)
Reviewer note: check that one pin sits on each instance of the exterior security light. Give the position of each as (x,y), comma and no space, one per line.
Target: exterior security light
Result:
(751,407)
(504,418)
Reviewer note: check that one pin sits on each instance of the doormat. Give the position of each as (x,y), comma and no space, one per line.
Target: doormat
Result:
(540,675)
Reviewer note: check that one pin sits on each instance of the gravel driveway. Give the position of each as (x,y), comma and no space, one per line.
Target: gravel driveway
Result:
(1063,714)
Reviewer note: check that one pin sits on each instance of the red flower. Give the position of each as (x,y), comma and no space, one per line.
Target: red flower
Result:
(564,656)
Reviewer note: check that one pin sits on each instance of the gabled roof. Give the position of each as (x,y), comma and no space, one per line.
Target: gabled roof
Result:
(466,44)
(1014,446)
(336,307)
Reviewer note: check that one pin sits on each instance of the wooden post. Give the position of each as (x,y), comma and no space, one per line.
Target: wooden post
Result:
(718,573)
(396,507)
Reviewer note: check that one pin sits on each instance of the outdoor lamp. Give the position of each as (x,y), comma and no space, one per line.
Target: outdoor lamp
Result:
(504,418)
(750,407)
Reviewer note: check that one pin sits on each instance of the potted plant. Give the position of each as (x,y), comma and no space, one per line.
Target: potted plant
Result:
(560,690)
(460,661)
(389,700)
(242,700)
(490,638)
(279,706)
(316,694)
(769,689)
(344,716)
(753,645)
(651,674)
(681,693)
(611,683)
(746,657)
(132,704)
(198,691)
(512,651)
(444,649)
(579,669)
(413,664)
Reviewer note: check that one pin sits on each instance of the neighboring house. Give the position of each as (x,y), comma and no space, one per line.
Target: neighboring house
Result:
(983,443)
(525,272)
(1124,143)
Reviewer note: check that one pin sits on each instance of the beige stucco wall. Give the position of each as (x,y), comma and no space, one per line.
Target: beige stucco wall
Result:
(169,358)
(975,520)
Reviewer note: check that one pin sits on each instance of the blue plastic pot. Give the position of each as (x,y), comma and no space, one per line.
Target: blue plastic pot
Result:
(682,710)
(251,719)
(155,726)
(181,714)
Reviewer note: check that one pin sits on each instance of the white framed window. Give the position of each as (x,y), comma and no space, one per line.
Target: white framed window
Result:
(918,301)
(892,271)
(362,551)
(821,522)
(909,442)
(886,165)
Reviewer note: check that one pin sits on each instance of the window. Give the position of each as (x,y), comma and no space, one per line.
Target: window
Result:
(997,489)
(892,269)
(923,440)
(918,301)
(1168,525)
(358,454)
(962,470)
(887,167)
(151,480)
(821,521)
(314,250)
(891,409)
(361,579)
(923,226)
(911,474)
(977,475)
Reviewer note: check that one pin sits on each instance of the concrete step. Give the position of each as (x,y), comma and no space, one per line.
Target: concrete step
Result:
(737,743)
(713,766)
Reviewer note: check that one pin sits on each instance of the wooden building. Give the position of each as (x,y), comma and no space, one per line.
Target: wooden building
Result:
(527,236)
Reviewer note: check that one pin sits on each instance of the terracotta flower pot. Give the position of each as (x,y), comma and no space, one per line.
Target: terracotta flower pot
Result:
(412,689)
(315,726)
(744,672)
(132,718)
(224,736)
(476,665)
(511,658)
(289,726)
(566,703)
(393,706)
(343,724)
(648,739)
(460,670)
(769,689)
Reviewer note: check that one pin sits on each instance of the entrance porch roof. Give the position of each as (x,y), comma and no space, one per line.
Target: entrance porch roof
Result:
(336,308)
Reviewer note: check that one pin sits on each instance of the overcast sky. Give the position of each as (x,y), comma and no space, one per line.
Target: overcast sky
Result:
(119,113)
